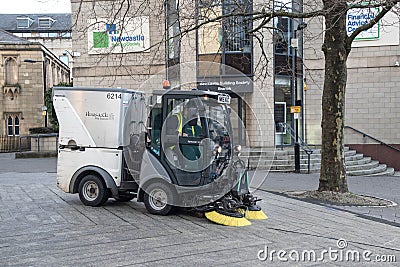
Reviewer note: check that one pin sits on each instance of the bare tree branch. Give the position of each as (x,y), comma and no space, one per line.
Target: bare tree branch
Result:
(386,7)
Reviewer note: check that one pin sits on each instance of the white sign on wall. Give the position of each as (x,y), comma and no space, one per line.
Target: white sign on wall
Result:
(357,17)
(118,36)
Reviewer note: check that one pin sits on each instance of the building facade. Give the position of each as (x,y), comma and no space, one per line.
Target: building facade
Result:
(139,46)
(372,92)
(172,41)
(27,69)
(51,30)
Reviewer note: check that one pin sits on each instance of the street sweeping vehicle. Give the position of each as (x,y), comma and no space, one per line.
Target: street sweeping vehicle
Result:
(171,149)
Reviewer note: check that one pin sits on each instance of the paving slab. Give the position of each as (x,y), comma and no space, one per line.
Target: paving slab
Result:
(386,187)
(42,226)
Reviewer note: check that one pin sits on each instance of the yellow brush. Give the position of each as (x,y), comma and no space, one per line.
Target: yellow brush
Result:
(253,214)
(219,218)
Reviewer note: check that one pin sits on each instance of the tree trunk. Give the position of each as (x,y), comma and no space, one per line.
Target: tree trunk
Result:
(333,173)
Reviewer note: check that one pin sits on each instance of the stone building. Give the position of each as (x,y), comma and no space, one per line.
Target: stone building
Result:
(53,30)
(27,69)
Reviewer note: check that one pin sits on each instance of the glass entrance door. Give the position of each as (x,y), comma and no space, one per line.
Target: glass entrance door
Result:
(283,101)
(238,120)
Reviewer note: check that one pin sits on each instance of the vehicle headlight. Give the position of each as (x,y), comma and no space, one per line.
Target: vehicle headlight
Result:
(237,148)
(217,149)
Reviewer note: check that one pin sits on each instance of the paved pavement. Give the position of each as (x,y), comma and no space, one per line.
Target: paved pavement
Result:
(386,187)
(42,226)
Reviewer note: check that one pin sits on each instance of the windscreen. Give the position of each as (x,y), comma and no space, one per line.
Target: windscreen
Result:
(219,126)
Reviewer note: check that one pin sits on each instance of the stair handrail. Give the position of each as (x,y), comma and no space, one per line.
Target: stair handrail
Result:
(291,131)
(373,138)
(302,143)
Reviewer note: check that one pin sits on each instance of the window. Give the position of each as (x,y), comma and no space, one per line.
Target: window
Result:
(237,28)
(66,35)
(13,126)
(45,22)
(64,59)
(173,31)
(10,131)
(24,23)
(16,125)
(174,41)
(11,71)
(226,42)
(282,35)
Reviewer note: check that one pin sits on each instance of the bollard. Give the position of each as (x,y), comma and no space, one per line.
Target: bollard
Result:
(297,157)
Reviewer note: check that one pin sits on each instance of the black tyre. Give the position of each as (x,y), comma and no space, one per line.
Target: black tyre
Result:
(157,197)
(124,198)
(93,191)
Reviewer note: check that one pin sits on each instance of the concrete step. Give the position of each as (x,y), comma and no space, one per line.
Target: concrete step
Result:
(358,161)
(256,157)
(367,166)
(315,151)
(282,160)
(388,172)
(312,160)
(379,169)
(396,173)
(314,166)
(354,157)
(305,156)
(350,153)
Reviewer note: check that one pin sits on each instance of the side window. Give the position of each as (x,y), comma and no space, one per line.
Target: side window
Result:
(10,126)
(155,134)
(16,126)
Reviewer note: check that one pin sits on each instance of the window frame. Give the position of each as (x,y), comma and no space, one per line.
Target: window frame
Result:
(10,126)
(27,19)
(49,20)
(13,124)
(226,55)
(16,126)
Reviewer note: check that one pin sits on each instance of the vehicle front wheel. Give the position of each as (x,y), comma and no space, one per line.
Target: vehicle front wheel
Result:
(157,198)
(92,191)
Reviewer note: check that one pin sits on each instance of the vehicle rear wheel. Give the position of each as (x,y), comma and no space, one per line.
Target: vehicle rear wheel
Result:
(157,197)
(92,191)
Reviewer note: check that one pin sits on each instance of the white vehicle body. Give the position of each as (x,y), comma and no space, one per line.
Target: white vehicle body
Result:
(91,132)
(107,150)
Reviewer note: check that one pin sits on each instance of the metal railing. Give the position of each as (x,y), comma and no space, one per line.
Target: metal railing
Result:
(24,142)
(303,145)
(371,137)
(14,143)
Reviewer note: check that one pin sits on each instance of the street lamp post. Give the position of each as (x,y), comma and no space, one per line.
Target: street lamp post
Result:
(295,44)
(73,55)
(44,108)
